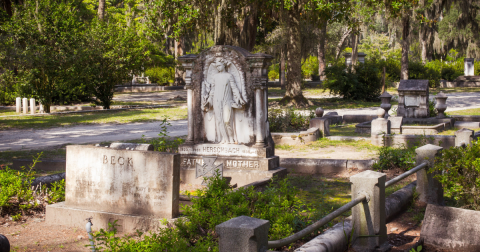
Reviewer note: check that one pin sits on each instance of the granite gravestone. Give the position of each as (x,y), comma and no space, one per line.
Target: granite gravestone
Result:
(413,99)
(227,113)
(135,187)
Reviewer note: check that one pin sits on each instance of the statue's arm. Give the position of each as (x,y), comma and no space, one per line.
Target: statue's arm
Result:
(236,93)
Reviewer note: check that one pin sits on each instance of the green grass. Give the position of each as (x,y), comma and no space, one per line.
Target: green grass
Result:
(325,143)
(474,111)
(346,130)
(98,117)
(4,112)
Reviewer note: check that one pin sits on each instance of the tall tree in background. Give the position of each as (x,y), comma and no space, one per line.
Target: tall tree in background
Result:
(101,9)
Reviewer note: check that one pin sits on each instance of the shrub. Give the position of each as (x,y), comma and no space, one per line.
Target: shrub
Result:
(416,70)
(18,197)
(274,72)
(310,67)
(288,120)
(458,170)
(7,88)
(218,203)
(363,84)
(164,143)
(161,75)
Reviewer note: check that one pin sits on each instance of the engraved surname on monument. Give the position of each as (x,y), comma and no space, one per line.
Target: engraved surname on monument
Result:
(412,100)
(220,150)
(117,160)
(229,163)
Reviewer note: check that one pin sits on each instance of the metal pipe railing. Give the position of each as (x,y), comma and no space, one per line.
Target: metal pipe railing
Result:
(406,174)
(317,225)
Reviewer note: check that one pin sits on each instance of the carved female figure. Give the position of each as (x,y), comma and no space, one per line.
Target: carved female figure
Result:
(222,96)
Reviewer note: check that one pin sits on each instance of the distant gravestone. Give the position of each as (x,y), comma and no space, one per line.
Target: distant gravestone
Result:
(469,69)
(413,99)
(451,228)
(396,124)
(128,185)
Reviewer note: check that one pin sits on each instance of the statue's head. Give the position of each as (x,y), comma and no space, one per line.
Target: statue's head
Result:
(220,64)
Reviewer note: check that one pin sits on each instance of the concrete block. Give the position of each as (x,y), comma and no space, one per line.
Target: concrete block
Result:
(467,125)
(463,136)
(380,126)
(243,234)
(429,189)
(314,166)
(396,124)
(123,181)
(322,123)
(369,217)
(450,228)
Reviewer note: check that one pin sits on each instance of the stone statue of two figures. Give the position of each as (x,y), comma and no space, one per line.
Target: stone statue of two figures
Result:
(221,94)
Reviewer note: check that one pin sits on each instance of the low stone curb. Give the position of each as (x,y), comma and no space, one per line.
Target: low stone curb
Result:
(47,180)
(336,238)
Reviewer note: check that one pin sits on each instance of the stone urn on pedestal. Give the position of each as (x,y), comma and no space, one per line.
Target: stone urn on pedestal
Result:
(386,98)
(441,106)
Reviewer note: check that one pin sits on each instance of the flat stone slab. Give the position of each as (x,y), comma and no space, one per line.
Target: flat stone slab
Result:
(60,214)
(451,228)
(467,125)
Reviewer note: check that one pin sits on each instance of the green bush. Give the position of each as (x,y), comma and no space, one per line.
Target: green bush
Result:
(161,75)
(8,91)
(310,67)
(419,71)
(17,197)
(363,84)
(218,203)
(458,170)
(274,72)
(288,120)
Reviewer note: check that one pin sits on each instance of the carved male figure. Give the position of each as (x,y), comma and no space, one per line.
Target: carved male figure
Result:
(222,95)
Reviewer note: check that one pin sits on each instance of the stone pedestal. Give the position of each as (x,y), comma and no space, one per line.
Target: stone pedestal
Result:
(413,99)
(227,111)
(463,137)
(441,106)
(368,217)
(32,106)
(429,189)
(18,105)
(243,234)
(380,125)
(322,123)
(25,105)
(469,69)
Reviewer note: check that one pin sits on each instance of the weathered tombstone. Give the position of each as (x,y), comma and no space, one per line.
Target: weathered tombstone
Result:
(32,106)
(463,137)
(348,58)
(40,108)
(413,99)
(18,105)
(396,124)
(25,105)
(137,188)
(451,228)
(227,114)
(469,69)
(380,125)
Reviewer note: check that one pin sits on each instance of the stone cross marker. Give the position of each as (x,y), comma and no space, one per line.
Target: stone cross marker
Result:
(208,168)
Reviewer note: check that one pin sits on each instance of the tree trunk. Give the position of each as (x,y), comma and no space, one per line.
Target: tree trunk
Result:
(178,71)
(7,6)
(220,26)
(405,46)
(321,52)
(293,94)
(248,32)
(282,67)
(354,50)
(338,50)
(101,9)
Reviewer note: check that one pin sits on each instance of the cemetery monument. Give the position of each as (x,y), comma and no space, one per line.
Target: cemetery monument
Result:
(227,115)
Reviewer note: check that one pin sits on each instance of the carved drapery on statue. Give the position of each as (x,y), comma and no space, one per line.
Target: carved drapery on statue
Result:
(223,100)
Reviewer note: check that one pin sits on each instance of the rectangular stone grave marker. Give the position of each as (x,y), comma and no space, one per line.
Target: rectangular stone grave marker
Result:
(413,99)
(122,182)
